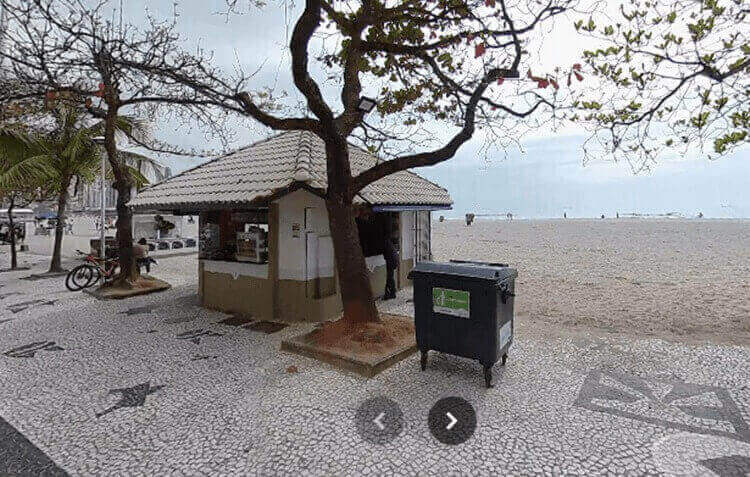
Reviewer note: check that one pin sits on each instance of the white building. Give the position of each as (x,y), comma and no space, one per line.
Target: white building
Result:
(87,198)
(265,243)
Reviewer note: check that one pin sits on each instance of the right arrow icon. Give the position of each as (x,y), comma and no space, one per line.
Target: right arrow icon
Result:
(453,421)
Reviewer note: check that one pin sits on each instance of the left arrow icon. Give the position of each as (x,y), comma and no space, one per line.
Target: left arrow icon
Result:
(379,421)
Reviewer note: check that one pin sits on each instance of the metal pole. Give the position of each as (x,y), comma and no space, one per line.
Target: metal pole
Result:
(102,248)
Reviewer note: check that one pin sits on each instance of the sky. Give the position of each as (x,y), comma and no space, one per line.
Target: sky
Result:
(543,178)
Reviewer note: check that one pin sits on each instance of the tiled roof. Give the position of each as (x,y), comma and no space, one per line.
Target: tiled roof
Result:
(272,165)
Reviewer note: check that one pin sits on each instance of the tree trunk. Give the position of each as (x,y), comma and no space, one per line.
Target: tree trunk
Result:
(62,202)
(129,272)
(354,279)
(13,256)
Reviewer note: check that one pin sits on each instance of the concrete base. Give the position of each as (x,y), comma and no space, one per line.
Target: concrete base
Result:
(113,293)
(347,361)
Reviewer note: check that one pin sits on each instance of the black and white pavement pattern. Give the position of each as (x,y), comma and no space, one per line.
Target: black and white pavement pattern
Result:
(154,385)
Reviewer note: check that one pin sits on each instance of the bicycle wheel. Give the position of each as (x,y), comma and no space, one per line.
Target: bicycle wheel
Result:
(79,277)
(96,275)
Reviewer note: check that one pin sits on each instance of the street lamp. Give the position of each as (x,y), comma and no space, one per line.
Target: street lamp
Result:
(99,140)
(366,104)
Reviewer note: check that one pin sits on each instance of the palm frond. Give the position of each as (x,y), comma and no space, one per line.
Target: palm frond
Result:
(14,143)
(32,170)
(139,179)
(65,151)
(79,141)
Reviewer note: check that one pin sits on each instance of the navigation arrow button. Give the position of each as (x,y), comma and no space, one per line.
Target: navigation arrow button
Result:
(379,421)
(453,421)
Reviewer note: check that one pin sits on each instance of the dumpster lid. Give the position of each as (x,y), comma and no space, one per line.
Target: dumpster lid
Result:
(480,270)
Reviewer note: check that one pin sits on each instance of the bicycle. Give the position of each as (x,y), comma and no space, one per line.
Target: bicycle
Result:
(91,272)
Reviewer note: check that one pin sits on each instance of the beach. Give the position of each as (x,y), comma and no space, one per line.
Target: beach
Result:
(682,280)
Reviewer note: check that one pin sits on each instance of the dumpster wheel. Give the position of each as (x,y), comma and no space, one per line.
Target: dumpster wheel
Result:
(504,359)
(423,360)
(488,376)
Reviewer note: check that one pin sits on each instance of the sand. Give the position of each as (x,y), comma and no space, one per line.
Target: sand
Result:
(367,340)
(679,279)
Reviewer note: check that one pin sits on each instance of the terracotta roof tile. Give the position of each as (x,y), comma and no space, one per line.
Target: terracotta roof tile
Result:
(267,166)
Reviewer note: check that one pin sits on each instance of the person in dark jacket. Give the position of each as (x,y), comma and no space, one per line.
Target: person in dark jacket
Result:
(391,264)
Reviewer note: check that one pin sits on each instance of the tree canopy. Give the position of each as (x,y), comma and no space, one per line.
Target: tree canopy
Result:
(674,76)
(428,64)
(55,48)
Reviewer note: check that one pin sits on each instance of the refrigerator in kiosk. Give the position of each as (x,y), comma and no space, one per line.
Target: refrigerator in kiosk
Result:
(252,245)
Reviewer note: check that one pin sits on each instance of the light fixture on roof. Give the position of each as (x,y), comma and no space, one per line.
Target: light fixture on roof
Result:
(366,104)
(509,73)
(98,140)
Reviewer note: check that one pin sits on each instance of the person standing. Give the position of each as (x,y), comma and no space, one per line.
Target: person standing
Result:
(390,254)
(391,264)
(140,253)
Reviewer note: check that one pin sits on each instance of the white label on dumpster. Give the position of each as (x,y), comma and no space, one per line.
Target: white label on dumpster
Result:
(506,331)
(451,302)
